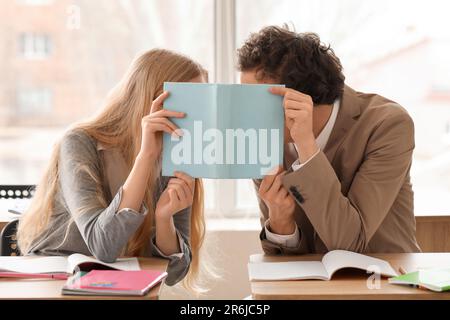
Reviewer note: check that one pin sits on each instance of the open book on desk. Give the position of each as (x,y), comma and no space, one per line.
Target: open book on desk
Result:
(318,270)
(31,265)
(231,131)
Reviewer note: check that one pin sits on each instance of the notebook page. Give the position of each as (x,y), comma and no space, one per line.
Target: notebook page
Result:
(257,118)
(126,264)
(34,264)
(231,131)
(340,259)
(198,102)
(293,270)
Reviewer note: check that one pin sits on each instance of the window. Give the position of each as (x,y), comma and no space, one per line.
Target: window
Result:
(385,48)
(398,49)
(79,51)
(35,101)
(35,46)
(34,2)
(245,195)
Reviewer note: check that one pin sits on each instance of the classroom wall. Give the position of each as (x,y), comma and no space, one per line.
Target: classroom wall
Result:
(229,252)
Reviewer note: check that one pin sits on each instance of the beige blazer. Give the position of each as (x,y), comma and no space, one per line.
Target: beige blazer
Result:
(355,194)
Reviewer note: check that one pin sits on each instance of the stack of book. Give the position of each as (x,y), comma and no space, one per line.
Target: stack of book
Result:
(84,275)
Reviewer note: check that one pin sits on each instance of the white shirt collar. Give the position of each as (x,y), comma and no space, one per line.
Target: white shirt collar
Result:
(324,135)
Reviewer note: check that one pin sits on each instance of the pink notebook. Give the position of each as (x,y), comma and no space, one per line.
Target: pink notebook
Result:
(113,282)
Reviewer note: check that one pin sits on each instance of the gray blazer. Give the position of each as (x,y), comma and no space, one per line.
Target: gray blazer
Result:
(105,231)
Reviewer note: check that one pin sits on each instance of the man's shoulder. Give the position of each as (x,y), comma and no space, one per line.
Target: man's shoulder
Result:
(382,121)
(378,109)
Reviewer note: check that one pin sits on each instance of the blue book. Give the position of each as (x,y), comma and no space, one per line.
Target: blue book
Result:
(230,131)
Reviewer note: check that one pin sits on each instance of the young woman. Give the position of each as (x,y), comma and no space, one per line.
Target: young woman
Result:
(103,194)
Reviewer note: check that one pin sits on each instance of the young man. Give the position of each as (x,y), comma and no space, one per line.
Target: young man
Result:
(346,177)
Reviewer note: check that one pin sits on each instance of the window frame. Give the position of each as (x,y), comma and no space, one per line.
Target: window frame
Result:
(225,191)
(35,46)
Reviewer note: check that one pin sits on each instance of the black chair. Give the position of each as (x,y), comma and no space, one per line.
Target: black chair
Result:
(8,237)
(8,240)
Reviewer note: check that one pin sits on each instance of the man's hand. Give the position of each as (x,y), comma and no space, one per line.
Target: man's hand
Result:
(279,202)
(298,109)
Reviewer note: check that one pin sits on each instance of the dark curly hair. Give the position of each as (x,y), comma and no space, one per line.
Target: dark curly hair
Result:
(298,60)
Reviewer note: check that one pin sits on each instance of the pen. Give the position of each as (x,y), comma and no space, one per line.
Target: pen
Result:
(14,211)
(56,276)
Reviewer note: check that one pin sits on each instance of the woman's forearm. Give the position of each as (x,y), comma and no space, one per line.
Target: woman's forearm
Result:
(166,236)
(134,187)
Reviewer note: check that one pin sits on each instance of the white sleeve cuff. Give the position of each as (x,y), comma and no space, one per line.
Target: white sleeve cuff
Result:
(178,255)
(142,212)
(297,165)
(118,198)
(288,241)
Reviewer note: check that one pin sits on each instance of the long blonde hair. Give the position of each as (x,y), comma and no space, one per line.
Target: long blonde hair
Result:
(118,125)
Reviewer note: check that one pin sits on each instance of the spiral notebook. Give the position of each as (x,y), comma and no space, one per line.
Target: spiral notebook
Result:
(113,282)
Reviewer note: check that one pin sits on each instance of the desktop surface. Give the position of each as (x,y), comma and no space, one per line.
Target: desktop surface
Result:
(37,289)
(351,284)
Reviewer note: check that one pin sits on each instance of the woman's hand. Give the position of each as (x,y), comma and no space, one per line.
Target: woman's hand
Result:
(178,195)
(154,124)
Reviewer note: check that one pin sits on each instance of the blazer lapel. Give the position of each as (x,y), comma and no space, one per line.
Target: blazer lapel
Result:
(349,112)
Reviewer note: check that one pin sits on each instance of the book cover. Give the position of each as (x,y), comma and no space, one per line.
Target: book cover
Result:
(230,131)
(103,282)
(435,279)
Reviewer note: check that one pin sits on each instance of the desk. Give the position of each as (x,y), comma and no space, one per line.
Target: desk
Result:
(433,231)
(51,289)
(348,285)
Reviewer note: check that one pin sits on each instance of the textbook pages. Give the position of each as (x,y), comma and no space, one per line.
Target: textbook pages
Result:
(230,131)
(58,265)
(319,270)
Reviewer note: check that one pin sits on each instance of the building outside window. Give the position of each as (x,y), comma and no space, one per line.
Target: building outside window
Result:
(35,46)
(34,101)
